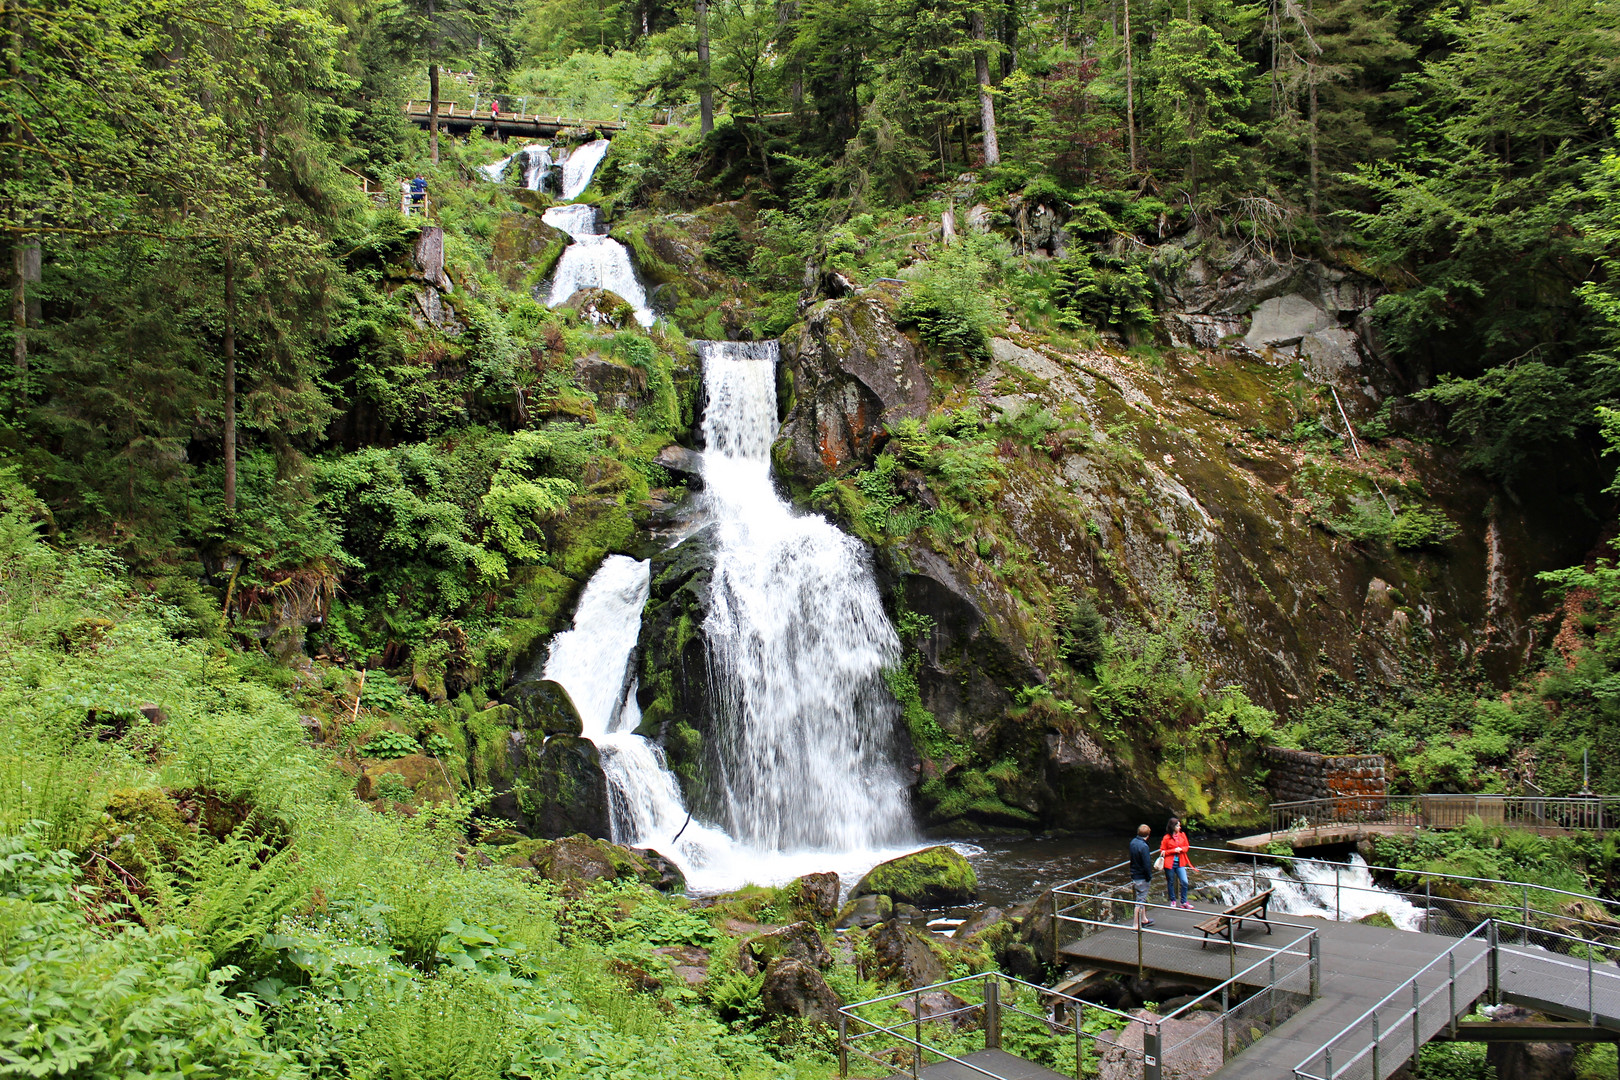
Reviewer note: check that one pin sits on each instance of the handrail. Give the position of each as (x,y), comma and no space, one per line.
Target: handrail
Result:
(1229,853)
(1491,931)
(1439,810)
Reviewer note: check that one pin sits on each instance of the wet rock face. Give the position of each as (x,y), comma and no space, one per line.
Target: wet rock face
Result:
(673,690)
(558,786)
(600,307)
(850,371)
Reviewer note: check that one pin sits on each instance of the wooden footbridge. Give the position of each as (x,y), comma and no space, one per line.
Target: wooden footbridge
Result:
(1315,999)
(454,120)
(1348,819)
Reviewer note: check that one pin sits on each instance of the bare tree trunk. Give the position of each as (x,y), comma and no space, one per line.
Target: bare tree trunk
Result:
(987,104)
(433,110)
(230,380)
(705,91)
(1130,90)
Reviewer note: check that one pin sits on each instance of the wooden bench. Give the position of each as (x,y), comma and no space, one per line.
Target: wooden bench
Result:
(1228,922)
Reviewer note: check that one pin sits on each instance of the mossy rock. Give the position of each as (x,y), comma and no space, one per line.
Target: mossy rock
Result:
(1378,918)
(545,706)
(864,911)
(424,777)
(930,878)
(581,858)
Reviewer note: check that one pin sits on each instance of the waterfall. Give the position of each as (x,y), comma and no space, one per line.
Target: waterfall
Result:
(537,166)
(593,261)
(1309,890)
(580,166)
(797,639)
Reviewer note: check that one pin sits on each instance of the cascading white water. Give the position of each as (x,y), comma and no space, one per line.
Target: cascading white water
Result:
(593,261)
(537,166)
(797,640)
(579,166)
(1313,889)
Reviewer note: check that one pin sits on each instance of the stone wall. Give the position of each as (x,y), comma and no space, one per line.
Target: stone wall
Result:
(1300,774)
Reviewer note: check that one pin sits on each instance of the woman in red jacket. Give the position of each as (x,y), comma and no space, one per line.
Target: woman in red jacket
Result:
(1174,850)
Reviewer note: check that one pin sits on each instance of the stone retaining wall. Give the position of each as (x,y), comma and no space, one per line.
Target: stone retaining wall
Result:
(1300,774)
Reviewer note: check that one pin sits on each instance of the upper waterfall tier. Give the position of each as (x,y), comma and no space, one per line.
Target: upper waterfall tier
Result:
(798,642)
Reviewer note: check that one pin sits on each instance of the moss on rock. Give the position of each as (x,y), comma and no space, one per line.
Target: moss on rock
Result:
(934,877)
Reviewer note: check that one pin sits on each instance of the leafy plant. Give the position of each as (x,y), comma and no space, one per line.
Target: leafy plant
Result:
(389,744)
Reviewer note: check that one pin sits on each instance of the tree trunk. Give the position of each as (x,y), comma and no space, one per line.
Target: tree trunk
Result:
(1009,38)
(1315,157)
(19,314)
(1130,90)
(230,380)
(433,110)
(987,104)
(19,250)
(705,91)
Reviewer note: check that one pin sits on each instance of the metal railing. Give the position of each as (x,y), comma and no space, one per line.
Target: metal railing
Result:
(1396,1028)
(1259,996)
(1438,897)
(1577,813)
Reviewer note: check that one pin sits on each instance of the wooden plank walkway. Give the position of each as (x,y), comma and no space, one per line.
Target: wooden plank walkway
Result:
(1361,965)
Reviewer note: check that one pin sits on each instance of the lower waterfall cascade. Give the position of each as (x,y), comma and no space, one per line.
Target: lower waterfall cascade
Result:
(798,642)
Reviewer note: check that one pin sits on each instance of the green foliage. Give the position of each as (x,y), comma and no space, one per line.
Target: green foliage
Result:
(389,744)
(949,305)
(1104,291)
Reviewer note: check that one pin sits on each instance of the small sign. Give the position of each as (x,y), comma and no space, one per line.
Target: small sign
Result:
(1149,1060)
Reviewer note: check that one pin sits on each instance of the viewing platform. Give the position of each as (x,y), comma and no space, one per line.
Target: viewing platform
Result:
(1313,999)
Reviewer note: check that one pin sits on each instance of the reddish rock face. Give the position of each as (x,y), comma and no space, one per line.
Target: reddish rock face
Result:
(850,372)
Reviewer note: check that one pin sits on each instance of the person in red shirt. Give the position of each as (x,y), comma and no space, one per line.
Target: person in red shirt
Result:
(1174,849)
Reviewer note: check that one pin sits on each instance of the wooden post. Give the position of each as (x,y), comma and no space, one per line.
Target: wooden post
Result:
(843,1044)
(1151,1068)
(916,1034)
(992,1012)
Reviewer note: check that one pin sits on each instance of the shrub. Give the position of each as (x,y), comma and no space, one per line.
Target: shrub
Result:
(387,745)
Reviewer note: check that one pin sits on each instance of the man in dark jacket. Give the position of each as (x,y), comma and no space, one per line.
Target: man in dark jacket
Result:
(1141,870)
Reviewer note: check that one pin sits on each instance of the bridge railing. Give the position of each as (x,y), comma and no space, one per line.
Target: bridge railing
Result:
(1449,905)
(1258,996)
(1546,968)
(1576,813)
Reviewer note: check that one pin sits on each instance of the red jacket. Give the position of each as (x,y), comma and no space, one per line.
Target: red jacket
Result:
(1175,844)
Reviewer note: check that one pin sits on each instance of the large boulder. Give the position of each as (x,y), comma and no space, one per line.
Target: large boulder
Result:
(797,941)
(904,954)
(526,248)
(848,373)
(796,990)
(545,707)
(1196,1054)
(865,911)
(933,877)
(814,896)
(586,859)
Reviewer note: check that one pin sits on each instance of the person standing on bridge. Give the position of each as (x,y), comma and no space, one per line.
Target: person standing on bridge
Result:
(1174,849)
(495,109)
(1141,871)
